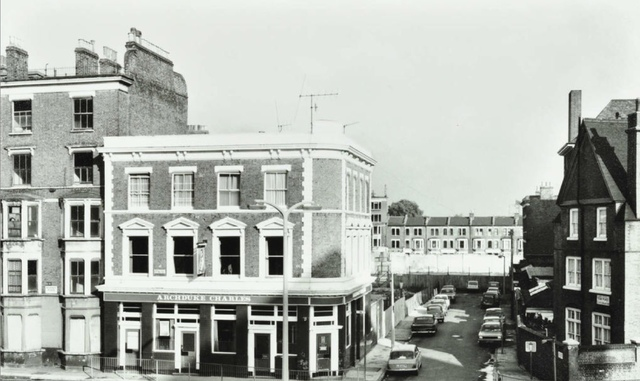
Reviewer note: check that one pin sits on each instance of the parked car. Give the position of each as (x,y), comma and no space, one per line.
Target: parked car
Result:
(489,299)
(490,332)
(442,302)
(494,311)
(424,324)
(444,297)
(494,283)
(450,291)
(494,289)
(404,358)
(473,285)
(436,310)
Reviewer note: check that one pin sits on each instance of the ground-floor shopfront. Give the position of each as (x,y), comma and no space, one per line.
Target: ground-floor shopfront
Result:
(190,330)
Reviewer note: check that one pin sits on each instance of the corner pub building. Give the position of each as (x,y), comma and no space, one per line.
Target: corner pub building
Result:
(194,266)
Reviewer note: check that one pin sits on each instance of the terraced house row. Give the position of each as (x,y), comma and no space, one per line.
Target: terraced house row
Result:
(126,234)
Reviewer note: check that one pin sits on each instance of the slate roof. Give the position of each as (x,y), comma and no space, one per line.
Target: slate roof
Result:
(622,107)
(459,221)
(415,221)
(506,221)
(609,141)
(437,221)
(396,220)
(482,221)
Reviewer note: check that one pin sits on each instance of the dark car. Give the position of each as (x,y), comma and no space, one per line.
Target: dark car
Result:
(424,324)
(490,299)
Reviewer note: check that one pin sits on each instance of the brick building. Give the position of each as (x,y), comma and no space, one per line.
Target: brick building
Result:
(379,220)
(539,211)
(473,234)
(597,236)
(51,186)
(194,265)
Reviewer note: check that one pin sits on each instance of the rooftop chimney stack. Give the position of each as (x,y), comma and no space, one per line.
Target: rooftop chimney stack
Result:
(575,113)
(633,157)
(86,58)
(17,63)
(109,64)
(546,192)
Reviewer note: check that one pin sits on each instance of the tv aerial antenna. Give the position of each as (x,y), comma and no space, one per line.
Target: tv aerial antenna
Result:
(278,120)
(314,106)
(344,126)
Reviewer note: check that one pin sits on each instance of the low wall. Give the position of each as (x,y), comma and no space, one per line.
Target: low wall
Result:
(419,281)
(399,310)
(575,362)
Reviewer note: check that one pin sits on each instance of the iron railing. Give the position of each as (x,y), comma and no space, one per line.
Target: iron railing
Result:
(155,369)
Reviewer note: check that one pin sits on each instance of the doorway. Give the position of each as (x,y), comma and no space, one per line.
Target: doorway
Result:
(132,348)
(323,351)
(188,352)
(262,353)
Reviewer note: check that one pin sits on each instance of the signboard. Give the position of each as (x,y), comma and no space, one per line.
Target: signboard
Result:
(602,300)
(132,340)
(50,289)
(200,268)
(529,346)
(159,272)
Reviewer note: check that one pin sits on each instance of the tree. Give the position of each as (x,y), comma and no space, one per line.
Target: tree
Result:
(405,207)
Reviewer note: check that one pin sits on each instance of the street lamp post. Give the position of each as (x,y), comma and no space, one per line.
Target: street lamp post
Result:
(285,278)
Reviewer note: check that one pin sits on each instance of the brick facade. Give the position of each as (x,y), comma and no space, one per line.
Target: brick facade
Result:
(50,135)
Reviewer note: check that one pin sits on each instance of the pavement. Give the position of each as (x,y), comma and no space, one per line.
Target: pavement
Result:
(503,366)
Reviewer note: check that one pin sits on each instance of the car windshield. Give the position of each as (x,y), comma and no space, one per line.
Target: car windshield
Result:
(428,319)
(447,291)
(493,313)
(434,309)
(401,355)
(491,328)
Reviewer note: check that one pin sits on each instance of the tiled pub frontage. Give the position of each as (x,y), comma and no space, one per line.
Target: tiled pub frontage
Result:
(245,331)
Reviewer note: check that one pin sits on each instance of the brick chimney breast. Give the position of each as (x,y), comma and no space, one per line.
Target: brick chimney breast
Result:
(575,113)
(17,63)
(86,62)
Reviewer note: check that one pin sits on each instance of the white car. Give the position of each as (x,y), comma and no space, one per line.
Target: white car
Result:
(444,297)
(442,302)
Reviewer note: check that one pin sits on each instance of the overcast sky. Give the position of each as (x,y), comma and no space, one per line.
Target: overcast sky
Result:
(462,103)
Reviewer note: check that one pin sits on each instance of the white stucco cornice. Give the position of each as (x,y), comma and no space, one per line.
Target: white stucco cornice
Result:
(66,85)
(274,146)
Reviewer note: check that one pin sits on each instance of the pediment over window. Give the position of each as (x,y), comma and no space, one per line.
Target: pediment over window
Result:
(273,224)
(136,224)
(228,223)
(181,224)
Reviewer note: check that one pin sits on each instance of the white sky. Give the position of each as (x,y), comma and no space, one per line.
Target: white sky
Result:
(463,103)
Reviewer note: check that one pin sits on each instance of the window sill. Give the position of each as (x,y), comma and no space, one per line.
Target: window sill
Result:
(81,185)
(21,133)
(225,208)
(572,238)
(83,239)
(182,208)
(572,288)
(600,239)
(20,239)
(224,353)
(81,130)
(600,291)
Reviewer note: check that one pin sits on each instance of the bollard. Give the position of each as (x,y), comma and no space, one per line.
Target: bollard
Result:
(221,373)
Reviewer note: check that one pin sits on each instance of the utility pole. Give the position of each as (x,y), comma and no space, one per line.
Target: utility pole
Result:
(310,96)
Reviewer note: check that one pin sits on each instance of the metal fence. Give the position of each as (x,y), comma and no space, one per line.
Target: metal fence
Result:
(155,369)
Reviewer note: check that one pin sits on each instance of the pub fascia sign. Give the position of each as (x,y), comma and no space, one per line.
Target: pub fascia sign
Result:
(179,298)
(202,298)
